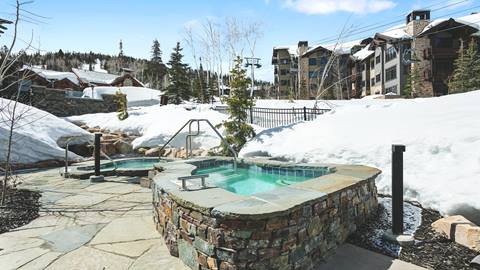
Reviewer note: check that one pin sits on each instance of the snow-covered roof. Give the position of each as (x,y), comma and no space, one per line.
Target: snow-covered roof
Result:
(340,48)
(472,20)
(363,53)
(94,76)
(292,49)
(52,74)
(396,32)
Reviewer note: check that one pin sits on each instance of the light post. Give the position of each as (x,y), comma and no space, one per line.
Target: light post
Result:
(252,62)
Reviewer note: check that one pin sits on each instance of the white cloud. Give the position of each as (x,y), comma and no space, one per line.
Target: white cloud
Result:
(331,6)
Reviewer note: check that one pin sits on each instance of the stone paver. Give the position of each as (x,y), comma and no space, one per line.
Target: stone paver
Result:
(87,226)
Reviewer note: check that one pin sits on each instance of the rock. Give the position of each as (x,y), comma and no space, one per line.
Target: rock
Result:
(84,127)
(141,150)
(181,154)
(153,152)
(108,148)
(173,153)
(94,130)
(459,229)
(109,137)
(123,147)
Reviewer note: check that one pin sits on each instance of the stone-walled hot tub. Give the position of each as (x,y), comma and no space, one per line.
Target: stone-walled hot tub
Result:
(290,217)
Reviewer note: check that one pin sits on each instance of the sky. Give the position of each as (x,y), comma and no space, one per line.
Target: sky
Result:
(98,25)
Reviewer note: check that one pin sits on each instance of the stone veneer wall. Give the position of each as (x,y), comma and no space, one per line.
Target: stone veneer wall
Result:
(56,102)
(295,239)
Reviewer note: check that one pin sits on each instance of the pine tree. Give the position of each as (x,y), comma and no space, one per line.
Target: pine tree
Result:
(200,86)
(179,88)
(121,100)
(121,56)
(239,103)
(413,81)
(156,52)
(466,76)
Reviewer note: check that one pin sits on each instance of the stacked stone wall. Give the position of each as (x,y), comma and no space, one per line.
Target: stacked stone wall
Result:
(298,238)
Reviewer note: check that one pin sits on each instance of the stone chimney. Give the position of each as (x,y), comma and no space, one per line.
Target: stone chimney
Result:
(417,20)
(302,47)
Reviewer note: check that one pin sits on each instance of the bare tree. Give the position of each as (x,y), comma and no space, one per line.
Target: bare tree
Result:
(10,115)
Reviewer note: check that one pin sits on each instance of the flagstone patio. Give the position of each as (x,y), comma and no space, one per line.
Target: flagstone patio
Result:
(87,226)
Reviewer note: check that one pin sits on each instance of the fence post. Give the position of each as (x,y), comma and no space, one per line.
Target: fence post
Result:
(304,113)
(397,188)
(251,115)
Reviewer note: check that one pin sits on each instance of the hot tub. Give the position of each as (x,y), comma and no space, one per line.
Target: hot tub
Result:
(264,215)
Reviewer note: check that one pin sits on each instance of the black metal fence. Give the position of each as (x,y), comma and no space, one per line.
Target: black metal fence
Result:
(274,117)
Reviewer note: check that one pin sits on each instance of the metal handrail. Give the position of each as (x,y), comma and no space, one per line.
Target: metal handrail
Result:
(188,142)
(67,143)
(115,166)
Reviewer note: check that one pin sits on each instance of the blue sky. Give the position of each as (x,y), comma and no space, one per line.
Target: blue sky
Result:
(98,25)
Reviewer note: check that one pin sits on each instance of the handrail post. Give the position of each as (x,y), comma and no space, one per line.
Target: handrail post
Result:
(304,113)
(397,188)
(65,174)
(97,153)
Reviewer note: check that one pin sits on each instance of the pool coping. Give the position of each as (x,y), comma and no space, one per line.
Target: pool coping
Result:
(219,202)
(74,170)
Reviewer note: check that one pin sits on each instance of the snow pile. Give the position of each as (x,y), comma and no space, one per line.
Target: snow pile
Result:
(136,96)
(156,124)
(95,67)
(37,134)
(442,138)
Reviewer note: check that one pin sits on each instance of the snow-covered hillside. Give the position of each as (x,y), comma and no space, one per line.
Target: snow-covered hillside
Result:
(156,124)
(442,136)
(37,134)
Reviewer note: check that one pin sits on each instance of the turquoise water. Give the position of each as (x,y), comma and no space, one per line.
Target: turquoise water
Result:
(133,164)
(247,181)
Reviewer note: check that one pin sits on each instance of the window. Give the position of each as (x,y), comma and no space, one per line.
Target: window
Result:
(390,54)
(372,82)
(378,78)
(284,82)
(377,59)
(312,74)
(312,61)
(372,64)
(363,67)
(283,71)
(391,89)
(363,83)
(443,42)
(285,61)
(391,73)
(323,60)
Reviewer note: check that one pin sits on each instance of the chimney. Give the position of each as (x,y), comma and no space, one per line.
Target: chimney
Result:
(302,47)
(417,20)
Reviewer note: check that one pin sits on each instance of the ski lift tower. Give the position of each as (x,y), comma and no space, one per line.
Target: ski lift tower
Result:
(252,62)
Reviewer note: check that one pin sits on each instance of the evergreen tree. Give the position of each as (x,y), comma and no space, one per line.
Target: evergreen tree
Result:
(466,76)
(212,88)
(239,103)
(179,88)
(413,81)
(156,52)
(200,86)
(121,56)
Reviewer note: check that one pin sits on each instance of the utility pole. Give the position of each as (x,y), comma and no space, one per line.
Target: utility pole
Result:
(252,62)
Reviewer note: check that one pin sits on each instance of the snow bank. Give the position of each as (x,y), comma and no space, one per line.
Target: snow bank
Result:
(442,136)
(37,134)
(136,96)
(156,124)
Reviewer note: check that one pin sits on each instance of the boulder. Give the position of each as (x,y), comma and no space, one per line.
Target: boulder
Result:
(459,229)
(94,130)
(142,150)
(122,147)
(109,137)
(182,153)
(152,152)
(173,153)
(108,148)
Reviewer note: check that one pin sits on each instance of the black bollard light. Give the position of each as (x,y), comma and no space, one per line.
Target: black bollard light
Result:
(397,188)
(96,153)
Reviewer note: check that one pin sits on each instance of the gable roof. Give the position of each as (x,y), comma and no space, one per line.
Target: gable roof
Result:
(363,53)
(50,75)
(94,77)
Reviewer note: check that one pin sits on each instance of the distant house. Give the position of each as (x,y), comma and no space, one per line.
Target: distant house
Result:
(50,78)
(94,78)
